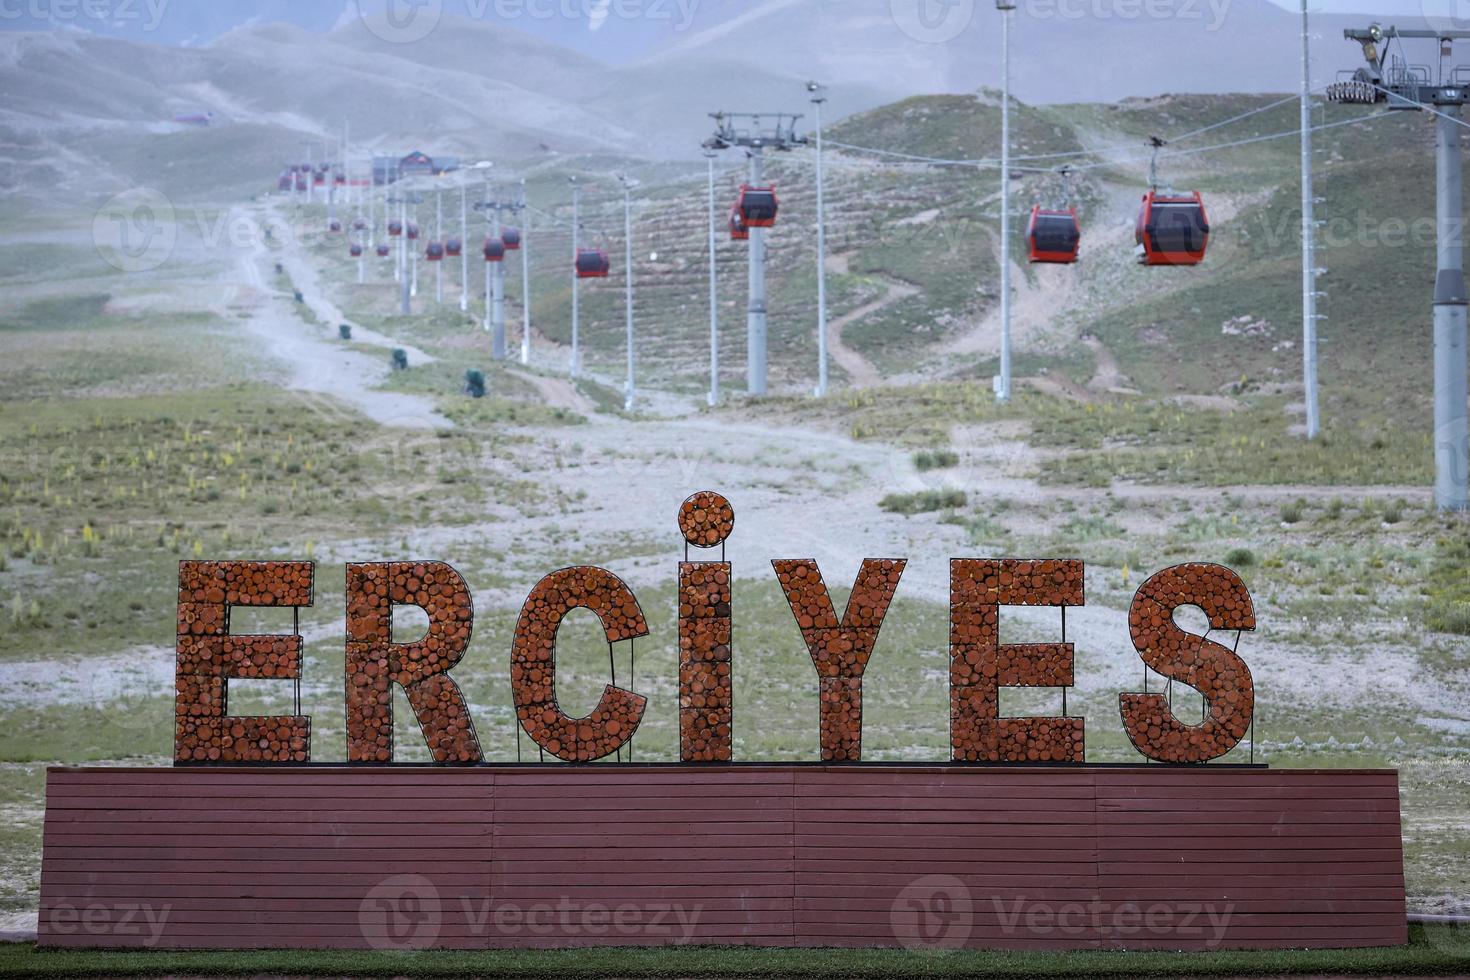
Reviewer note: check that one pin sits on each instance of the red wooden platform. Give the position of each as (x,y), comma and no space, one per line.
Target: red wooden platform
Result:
(938,856)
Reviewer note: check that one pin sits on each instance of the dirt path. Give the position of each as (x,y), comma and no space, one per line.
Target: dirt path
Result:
(310,362)
(556,392)
(1107,375)
(860,370)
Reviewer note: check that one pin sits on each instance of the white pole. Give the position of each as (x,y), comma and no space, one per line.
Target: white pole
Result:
(497,318)
(490,300)
(464,252)
(576,204)
(406,289)
(755,318)
(714,300)
(628,259)
(821,253)
(1003,389)
(413,249)
(525,276)
(439,237)
(1309,247)
(1451,427)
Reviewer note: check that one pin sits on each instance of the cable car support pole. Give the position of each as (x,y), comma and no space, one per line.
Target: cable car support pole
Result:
(576,244)
(439,237)
(525,276)
(406,290)
(817,99)
(1003,387)
(464,252)
(714,294)
(755,320)
(497,323)
(1401,89)
(628,281)
(1309,245)
(1451,435)
(489,290)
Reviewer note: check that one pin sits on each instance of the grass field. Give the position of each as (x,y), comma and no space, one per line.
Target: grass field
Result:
(1432,951)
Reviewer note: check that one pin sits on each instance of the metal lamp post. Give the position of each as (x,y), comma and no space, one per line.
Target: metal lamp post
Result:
(1003,383)
(628,280)
(714,296)
(817,100)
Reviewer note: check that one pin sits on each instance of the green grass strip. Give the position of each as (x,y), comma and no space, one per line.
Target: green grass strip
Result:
(1432,951)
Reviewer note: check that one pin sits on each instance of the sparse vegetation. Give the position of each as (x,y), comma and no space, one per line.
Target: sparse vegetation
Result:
(935,459)
(923,501)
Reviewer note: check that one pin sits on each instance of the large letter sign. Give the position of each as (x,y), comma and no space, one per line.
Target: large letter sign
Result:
(1210,668)
(980,665)
(533,664)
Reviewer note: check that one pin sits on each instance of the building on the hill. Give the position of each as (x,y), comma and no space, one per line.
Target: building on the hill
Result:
(388,170)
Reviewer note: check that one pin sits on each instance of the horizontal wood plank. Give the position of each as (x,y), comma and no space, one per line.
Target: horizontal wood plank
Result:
(574,855)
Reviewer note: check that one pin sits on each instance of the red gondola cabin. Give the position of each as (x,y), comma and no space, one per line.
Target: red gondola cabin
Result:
(758,206)
(395,228)
(434,252)
(592,263)
(494,250)
(1053,236)
(382,250)
(1172,229)
(413,231)
(453,248)
(512,239)
(334,226)
(355,250)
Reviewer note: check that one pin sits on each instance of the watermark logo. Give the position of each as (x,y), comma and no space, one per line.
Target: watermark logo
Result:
(135,231)
(932,21)
(144,15)
(1446,15)
(97,919)
(401,912)
(933,914)
(1082,920)
(1210,14)
(400,21)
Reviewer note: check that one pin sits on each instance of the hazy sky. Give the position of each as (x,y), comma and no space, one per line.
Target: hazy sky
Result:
(611,38)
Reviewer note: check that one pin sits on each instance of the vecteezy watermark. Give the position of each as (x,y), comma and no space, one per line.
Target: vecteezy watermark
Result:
(1120,920)
(406,21)
(145,15)
(136,230)
(933,914)
(1360,229)
(99,919)
(401,912)
(680,13)
(400,21)
(1446,15)
(936,913)
(932,21)
(567,918)
(406,912)
(1209,13)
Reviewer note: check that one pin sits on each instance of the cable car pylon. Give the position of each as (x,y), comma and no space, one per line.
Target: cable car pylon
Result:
(756,208)
(1407,87)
